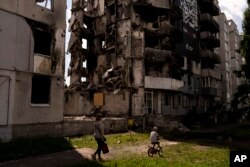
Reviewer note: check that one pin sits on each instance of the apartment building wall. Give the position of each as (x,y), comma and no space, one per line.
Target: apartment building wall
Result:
(236,58)
(225,54)
(210,59)
(230,56)
(31,63)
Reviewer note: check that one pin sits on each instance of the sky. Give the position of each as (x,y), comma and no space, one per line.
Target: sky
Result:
(233,9)
(67,57)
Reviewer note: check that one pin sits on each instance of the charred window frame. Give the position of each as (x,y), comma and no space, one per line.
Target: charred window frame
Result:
(43,41)
(47,4)
(40,89)
(43,38)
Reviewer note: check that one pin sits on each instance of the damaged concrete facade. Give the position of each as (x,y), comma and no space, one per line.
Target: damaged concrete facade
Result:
(31,66)
(143,57)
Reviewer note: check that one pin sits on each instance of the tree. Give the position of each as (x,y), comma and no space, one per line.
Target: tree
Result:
(242,96)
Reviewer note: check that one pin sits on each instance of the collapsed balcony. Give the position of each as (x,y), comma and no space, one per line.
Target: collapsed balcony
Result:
(209,39)
(210,56)
(156,56)
(208,23)
(209,6)
(159,7)
(175,34)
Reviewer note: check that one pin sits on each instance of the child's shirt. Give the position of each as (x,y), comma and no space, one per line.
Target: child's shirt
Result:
(154,136)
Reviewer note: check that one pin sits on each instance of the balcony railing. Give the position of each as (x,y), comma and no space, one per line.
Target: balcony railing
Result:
(210,56)
(210,73)
(209,39)
(164,31)
(156,56)
(163,83)
(208,23)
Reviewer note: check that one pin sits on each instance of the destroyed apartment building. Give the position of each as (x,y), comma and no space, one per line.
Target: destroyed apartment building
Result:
(143,58)
(31,66)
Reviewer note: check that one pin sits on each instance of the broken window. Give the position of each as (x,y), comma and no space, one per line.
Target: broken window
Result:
(42,41)
(48,4)
(40,89)
(111,9)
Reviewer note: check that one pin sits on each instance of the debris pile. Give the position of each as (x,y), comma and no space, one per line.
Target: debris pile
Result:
(112,79)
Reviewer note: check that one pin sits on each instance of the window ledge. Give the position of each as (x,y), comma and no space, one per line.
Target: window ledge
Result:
(40,105)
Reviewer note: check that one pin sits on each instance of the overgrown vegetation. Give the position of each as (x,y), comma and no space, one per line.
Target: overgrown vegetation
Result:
(242,96)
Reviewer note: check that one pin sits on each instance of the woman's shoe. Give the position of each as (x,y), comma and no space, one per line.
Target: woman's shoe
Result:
(93,156)
(100,159)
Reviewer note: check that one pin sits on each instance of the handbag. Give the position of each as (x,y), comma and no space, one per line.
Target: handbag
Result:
(105,148)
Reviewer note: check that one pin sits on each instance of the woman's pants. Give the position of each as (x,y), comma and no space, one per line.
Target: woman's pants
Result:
(99,142)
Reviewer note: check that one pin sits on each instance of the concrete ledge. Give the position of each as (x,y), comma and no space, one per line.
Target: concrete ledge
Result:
(71,126)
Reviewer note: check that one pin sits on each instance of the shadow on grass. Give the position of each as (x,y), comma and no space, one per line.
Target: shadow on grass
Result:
(215,138)
(232,136)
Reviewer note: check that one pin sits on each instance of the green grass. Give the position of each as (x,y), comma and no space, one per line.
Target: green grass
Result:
(114,140)
(183,154)
(180,155)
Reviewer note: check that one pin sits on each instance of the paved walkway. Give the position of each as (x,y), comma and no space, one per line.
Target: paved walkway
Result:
(59,159)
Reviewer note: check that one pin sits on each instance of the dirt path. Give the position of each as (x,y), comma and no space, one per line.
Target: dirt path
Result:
(137,149)
(67,158)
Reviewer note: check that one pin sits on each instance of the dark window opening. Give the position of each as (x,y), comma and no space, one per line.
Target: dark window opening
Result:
(111,9)
(40,89)
(42,35)
(166,99)
(151,41)
(42,41)
(156,24)
(181,61)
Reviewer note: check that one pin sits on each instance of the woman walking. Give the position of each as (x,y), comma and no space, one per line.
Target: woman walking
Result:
(99,136)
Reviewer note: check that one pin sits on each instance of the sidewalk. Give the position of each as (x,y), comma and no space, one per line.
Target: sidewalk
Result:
(72,157)
(60,159)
